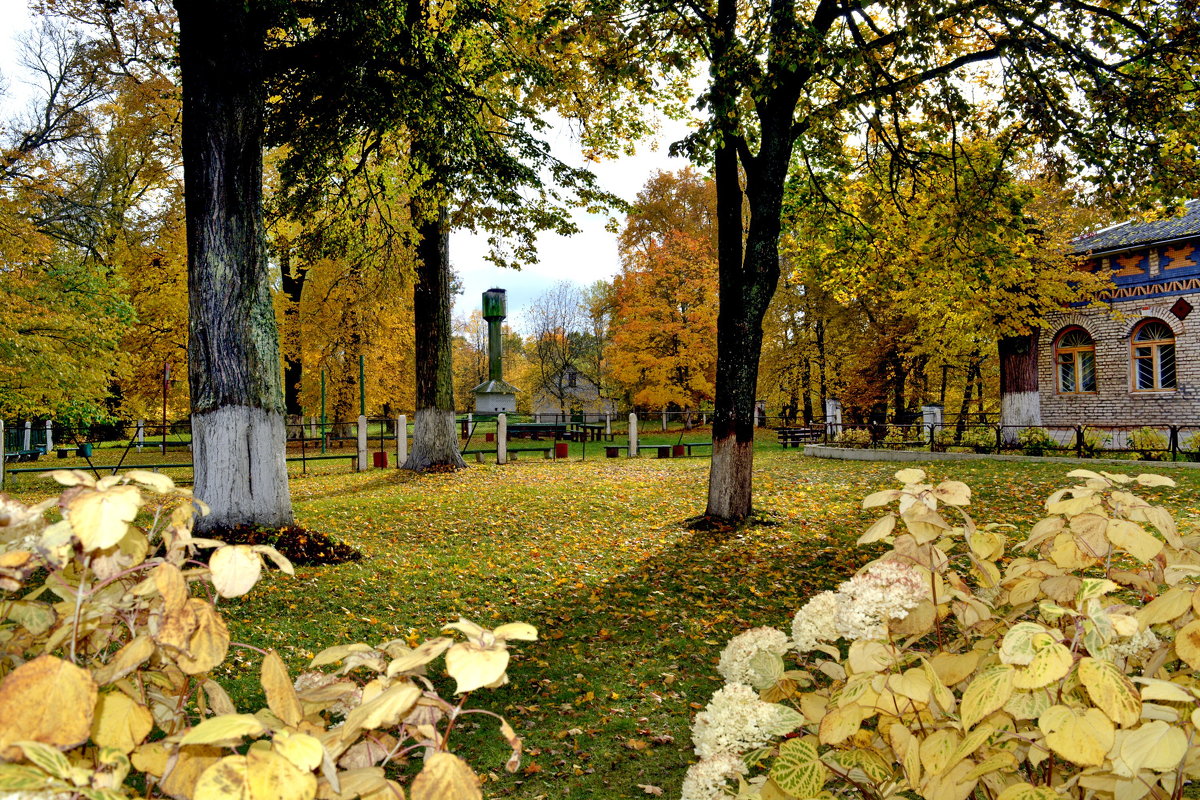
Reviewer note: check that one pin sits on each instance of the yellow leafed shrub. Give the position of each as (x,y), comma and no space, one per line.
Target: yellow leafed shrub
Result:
(108,633)
(967,663)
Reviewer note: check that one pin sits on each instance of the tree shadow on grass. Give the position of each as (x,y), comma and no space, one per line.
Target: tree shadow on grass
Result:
(629,662)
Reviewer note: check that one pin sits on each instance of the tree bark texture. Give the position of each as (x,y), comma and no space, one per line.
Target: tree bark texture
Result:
(1020,404)
(233,347)
(748,269)
(435,441)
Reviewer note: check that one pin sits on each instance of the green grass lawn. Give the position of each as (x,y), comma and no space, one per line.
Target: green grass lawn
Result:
(632,606)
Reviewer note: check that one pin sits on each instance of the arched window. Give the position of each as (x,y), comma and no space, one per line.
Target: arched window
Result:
(1075,355)
(1153,356)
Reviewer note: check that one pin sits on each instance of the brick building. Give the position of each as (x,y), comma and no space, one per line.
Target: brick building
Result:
(1136,362)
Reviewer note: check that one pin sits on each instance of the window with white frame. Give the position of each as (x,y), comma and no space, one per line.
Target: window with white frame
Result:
(1075,357)
(1153,356)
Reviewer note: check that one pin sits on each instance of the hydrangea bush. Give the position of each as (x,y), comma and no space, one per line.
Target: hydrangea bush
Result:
(966,662)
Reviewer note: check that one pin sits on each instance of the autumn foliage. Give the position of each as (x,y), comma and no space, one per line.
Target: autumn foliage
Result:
(119,624)
(951,663)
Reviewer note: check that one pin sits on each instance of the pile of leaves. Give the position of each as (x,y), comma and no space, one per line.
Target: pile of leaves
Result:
(300,546)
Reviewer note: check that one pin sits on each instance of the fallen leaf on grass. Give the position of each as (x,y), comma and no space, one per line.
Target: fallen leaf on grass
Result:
(650,789)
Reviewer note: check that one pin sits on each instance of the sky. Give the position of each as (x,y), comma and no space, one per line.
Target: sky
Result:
(582,259)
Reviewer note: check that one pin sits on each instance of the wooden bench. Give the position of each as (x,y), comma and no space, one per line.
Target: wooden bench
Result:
(547,452)
(795,437)
(23,455)
(690,445)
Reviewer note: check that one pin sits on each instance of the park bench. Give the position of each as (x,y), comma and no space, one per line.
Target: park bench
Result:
(547,452)
(795,437)
(23,455)
(690,445)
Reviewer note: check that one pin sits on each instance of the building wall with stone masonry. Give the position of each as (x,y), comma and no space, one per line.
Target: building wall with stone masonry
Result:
(1150,282)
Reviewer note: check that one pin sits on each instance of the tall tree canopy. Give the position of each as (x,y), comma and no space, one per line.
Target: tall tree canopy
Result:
(1103,85)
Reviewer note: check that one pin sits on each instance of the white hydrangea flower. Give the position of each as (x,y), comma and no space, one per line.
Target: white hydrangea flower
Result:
(735,666)
(1140,641)
(814,622)
(735,720)
(861,606)
(886,590)
(706,779)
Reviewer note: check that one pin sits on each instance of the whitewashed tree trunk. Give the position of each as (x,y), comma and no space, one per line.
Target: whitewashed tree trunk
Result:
(435,440)
(245,480)
(730,478)
(502,439)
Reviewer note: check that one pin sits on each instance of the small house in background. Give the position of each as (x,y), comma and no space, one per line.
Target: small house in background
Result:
(1136,362)
(572,395)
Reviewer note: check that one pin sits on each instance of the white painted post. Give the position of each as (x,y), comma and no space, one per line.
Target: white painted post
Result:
(608,427)
(401,440)
(28,440)
(312,427)
(502,439)
(633,445)
(49,436)
(833,417)
(141,434)
(664,420)
(362,443)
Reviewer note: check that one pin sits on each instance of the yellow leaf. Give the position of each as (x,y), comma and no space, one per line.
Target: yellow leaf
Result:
(258,775)
(226,730)
(1133,539)
(1110,690)
(1082,736)
(1051,663)
(882,528)
(910,476)
(120,722)
(189,764)
(235,569)
(936,750)
(25,714)
(1168,606)
(1155,746)
(1187,644)
(408,660)
(955,493)
(445,777)
(1025,791)
(987,693)
(473,666)
(209,641)
(304,751)
(126,660)
(952,668)
(839,724)
(516,630)
(387,708)
(877,499)
(100,518)
(281,694)
(798,769)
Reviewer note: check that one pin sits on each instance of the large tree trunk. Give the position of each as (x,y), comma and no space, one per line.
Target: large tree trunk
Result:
(747,281)
(233,346)
(1020,404)
(435,441)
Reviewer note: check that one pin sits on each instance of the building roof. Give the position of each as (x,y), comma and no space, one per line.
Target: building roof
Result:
(1132,234)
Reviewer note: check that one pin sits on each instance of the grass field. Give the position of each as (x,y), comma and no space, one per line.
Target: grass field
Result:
(632,606)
